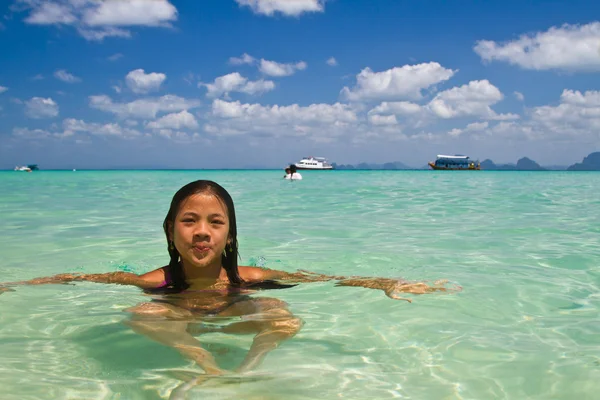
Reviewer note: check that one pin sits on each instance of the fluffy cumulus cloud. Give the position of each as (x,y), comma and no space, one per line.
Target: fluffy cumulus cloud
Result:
(140,82)
(319,122)
(178,121)
(399,82)
(268,67)
(98,19)
(65,76)
(3,89)
(576,120)
(569,47)
(39,107)
(243,59)
(273,68)
(331,61)
(471,100)
(147,108)
(473,127)
(285,7)
(235,82)
(377,119)
(578,114)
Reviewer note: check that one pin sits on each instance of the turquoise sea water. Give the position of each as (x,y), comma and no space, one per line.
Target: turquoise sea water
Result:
(524,246)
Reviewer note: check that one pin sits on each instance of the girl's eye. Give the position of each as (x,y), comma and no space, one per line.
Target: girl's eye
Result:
(187,220)
(218,222)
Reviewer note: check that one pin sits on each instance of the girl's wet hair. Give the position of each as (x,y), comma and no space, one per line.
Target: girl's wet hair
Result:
(229,260)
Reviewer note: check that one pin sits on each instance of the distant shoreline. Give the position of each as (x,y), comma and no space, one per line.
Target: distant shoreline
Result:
(279,169)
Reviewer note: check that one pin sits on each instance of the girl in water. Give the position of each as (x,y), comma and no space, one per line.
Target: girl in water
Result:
(203,280)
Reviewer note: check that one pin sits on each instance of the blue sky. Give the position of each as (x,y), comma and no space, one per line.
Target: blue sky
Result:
(262,83)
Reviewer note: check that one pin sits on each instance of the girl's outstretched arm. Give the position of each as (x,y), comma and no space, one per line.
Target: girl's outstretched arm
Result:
(391,287)
(147,281)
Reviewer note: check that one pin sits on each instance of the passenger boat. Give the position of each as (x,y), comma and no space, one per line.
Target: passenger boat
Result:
(454,163)
(313,163)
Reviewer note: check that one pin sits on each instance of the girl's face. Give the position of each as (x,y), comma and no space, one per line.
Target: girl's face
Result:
(201,230)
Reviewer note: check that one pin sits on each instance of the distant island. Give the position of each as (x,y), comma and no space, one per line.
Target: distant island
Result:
(589,163)
(367,166)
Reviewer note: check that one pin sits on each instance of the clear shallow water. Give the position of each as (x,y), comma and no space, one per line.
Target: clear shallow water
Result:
(525,247)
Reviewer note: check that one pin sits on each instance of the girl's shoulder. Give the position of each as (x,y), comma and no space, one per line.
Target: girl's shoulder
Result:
(158,277)
(250,274)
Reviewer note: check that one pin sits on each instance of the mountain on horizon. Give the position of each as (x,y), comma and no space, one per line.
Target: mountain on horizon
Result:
(589,163)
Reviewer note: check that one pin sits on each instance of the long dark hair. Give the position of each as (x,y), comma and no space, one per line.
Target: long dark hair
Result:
(229,260)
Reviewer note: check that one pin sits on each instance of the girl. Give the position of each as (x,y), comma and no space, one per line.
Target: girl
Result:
(203,280)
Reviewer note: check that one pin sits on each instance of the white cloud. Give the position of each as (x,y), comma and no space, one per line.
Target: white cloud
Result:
(473,127)
(578,114)
(115,57)
(244,59)
(570,47)
(99,35)
(574,97)
(293,113)
(50,13)
(98,19)
(235,82)
(181,120)
(3,89)
(472,99)
(64,76)
(519,96)
(130,13)
(39,107)
(37,77)
(26,133)
(377,119)
(140,82)
(258,87)
(576,120)
(72,126)
(398,82)
(147,108)
(286,7)
(182,137)
(397,108)
(318,122)
(331,61)
(273,68)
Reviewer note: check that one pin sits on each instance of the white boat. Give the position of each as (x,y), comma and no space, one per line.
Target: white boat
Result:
(314,163)
(23,169)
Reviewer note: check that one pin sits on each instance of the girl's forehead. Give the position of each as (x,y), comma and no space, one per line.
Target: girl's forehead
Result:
(203,201)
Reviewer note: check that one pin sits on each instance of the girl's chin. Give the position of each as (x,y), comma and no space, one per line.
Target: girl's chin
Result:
(203,262)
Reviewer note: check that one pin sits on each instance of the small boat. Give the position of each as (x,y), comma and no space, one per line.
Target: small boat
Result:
(454,163)
(27,168)
(313,163)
